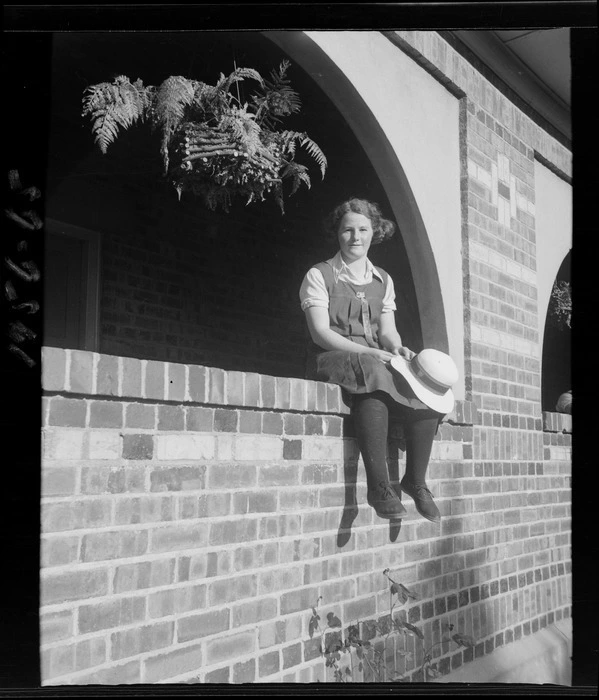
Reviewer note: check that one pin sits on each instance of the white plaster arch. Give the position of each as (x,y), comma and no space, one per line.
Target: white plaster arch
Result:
(408,125)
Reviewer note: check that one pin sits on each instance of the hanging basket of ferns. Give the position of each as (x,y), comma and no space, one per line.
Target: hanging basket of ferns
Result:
(213,144)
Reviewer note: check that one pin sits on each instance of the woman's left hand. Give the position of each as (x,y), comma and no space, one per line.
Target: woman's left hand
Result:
(404,352)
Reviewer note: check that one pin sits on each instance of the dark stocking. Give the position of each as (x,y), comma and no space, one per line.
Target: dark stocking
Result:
(371,422)
(419,431)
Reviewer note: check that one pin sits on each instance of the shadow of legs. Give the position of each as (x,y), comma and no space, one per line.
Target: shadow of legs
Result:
(350,507)
(396,448)
(394,529)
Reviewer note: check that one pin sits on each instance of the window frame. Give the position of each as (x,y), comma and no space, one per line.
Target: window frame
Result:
(55,227)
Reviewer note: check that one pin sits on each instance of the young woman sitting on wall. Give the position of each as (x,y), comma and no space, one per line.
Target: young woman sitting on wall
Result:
(349,306)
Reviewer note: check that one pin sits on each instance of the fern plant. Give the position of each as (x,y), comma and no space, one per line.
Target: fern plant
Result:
(212,143)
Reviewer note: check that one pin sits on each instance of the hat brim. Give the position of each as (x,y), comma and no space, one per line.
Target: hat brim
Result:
(442,403)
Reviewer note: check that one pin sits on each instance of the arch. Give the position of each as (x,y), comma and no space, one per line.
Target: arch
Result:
(374,140)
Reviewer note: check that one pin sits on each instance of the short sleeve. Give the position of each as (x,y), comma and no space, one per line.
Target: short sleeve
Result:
(389,297)
(313,291)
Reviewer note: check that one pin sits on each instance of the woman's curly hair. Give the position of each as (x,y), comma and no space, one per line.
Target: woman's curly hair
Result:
(382,229)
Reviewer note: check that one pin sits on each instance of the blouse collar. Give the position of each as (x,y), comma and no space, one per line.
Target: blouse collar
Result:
(339,267)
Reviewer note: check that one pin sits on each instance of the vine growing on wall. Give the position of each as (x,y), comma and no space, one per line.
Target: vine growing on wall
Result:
(213,144)
(356,656)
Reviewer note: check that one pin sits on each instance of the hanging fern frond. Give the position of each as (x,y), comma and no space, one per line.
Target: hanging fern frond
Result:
(113,105)
(288,139)
(105,127)
(210,102)
(277,99)
(315,151)
(278,78)
(172,97)
(238,74)
(298,174)
(279,85)
(145,97)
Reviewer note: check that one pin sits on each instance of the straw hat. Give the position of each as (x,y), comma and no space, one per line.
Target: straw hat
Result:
(430,374)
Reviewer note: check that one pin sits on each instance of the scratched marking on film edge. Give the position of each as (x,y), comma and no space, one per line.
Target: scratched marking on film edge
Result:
(23,273)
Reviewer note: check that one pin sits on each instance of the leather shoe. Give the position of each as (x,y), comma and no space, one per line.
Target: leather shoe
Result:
(423,500)
(386,502)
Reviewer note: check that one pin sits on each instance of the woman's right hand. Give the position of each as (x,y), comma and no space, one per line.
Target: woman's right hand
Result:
(381,355)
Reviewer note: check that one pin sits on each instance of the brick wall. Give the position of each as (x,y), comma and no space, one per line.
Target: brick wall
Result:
(512,438)
(192,517)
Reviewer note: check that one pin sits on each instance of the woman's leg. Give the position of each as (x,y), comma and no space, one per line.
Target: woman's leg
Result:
(419,433)
(420,428)
(371,422)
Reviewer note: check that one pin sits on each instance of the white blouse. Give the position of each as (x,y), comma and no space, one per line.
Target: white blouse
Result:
(313,291)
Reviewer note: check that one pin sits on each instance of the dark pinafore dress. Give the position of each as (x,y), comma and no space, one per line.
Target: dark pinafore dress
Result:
(354,313)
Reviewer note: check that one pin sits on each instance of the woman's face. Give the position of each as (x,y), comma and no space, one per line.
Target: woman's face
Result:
(355,236)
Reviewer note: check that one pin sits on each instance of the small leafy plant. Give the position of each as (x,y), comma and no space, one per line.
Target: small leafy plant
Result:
(356,656)
(212,143)
(560,305)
